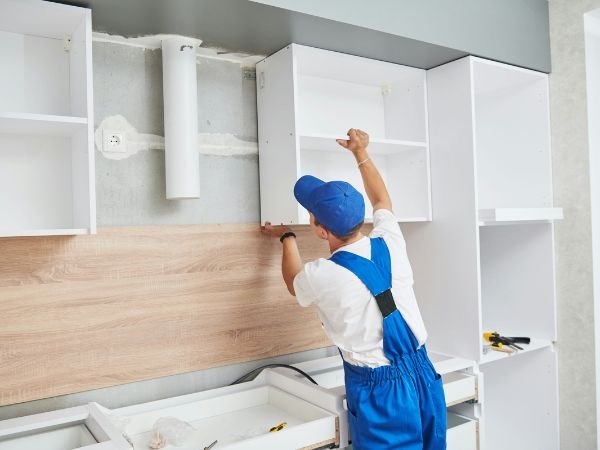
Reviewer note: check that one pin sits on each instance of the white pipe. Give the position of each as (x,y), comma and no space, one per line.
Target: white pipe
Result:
(182,163)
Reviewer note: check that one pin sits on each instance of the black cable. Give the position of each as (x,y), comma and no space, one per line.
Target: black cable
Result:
(254,373)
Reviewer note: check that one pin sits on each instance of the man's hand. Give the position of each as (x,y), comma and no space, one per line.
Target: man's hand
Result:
(275,231)
(358,142)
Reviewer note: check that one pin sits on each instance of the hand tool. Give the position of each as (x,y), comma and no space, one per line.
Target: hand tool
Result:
(279,427)
(211,445)
(496,338)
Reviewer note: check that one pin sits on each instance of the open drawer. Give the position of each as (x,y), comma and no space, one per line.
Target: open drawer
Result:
(238,417)
(459,387)
(462,433)
(82,427)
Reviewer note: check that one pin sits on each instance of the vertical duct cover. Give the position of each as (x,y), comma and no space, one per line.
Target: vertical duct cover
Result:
(182,162)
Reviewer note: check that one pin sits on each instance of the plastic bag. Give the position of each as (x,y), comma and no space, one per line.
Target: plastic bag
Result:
(176,432)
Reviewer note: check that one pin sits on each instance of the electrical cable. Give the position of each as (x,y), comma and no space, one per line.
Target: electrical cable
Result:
(254,373)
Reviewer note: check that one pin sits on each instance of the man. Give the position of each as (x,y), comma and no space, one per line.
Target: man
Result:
(364,294)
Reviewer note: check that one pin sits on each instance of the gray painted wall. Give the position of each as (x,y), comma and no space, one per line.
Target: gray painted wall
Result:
(512,31)
(573,234)
(423,33)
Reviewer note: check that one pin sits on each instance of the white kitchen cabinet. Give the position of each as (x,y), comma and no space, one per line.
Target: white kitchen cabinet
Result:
(486,261)
(308,97)
(46,120)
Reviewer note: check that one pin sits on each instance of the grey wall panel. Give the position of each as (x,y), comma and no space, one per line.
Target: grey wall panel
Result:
(512,31)
(423,33)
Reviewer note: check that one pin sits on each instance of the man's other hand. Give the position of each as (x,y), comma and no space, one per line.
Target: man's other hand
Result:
(275,231)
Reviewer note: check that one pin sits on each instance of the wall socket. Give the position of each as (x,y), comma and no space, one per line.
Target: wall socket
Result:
(113,142)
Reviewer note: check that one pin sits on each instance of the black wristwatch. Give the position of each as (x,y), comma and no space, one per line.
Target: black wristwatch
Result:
(287,235)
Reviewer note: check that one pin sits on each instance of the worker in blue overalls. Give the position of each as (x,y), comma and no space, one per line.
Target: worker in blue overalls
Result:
(364,294)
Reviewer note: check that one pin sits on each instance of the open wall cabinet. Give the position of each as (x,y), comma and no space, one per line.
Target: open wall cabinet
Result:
(483,258)
(308,97)
(46,120)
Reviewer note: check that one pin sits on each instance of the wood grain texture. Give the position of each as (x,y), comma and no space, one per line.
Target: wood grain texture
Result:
(134,303)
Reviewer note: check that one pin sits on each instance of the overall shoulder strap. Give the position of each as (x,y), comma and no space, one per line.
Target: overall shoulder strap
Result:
(376,280)
(380,255)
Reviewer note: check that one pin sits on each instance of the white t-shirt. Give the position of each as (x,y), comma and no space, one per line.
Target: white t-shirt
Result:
(348,311)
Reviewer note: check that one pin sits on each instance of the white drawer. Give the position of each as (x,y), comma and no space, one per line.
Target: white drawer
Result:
(81,427)
(238,417)
(459,387)
(462,433)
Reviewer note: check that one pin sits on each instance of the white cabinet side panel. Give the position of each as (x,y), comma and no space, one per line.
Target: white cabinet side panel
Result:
(278,159)
(444,253)
(79,74)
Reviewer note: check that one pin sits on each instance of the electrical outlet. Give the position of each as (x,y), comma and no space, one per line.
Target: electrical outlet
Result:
(113,142)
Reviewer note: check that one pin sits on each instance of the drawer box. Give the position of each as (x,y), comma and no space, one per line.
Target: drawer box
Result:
(462,433)
(81,427)
(459,387)
(238,417)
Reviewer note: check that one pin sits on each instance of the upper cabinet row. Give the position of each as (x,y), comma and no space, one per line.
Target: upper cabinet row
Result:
(46,120)
(308,97)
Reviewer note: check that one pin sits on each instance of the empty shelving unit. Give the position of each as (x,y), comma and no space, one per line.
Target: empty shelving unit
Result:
(486,261)
(46,120)
(308,97)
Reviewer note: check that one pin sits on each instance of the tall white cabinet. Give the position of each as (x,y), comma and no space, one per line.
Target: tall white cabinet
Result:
(46,120)
(483,258)
(486,261)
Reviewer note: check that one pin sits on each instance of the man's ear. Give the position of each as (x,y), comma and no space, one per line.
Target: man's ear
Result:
(323,233)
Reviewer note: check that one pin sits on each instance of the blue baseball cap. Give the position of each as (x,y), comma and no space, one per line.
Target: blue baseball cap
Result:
(337,205)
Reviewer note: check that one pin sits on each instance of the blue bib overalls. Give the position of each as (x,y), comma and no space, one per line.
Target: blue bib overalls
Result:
(400,406)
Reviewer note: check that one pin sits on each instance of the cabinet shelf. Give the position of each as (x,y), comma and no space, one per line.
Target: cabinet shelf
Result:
(536,344)
(376,146)
(512,216)
(41,124)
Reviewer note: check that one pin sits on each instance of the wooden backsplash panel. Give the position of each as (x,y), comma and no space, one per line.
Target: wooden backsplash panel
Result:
(133,303)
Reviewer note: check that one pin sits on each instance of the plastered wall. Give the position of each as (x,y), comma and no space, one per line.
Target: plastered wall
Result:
(128,99)
(573,234)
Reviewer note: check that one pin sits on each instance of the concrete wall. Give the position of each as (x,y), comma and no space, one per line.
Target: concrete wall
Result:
(131,190)
(573,234)
(128,98)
